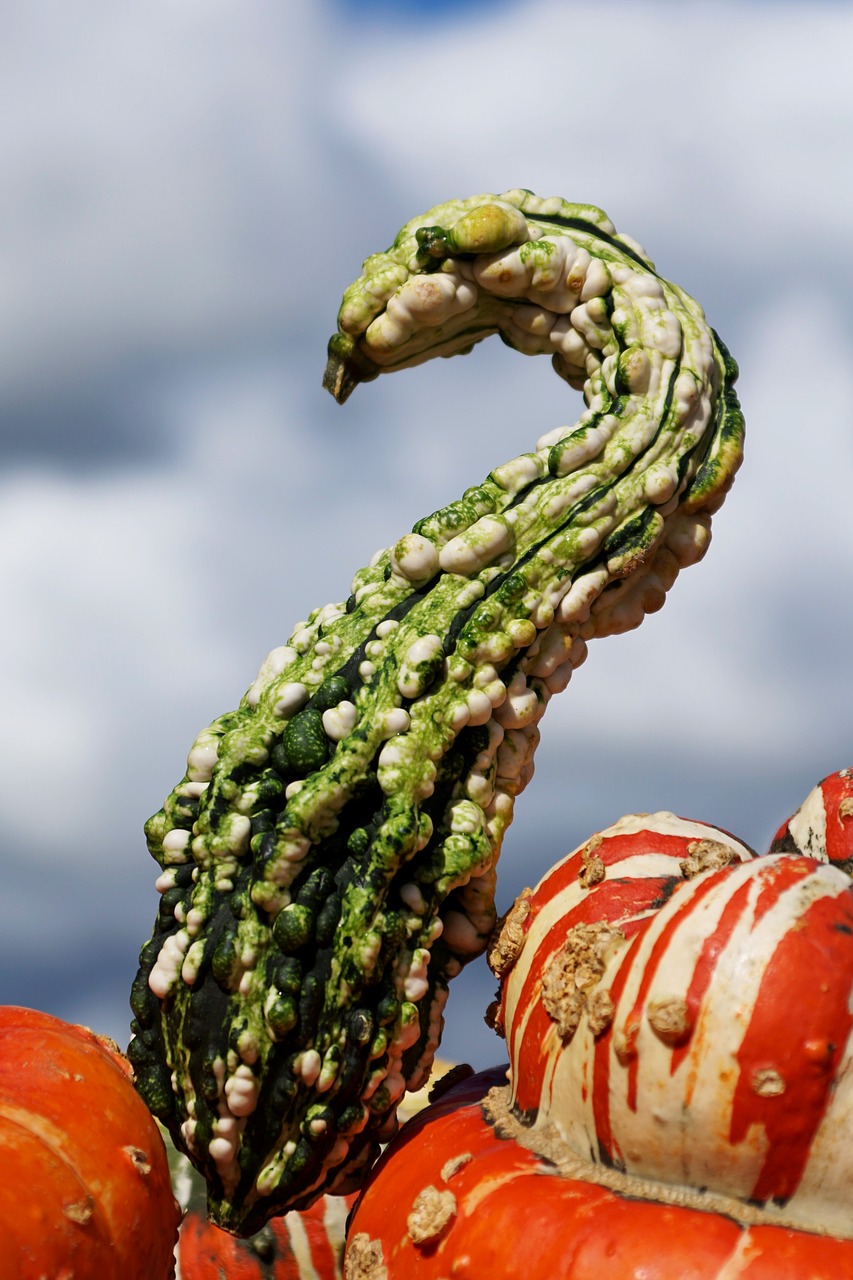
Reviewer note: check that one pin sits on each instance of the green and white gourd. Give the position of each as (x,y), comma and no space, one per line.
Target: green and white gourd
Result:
(328,859)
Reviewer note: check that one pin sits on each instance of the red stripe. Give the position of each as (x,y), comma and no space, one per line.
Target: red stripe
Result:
(608,1148)
(323,1256)
(613,849)
(618,901)
(777,874)
(799,1027)
(702,888)
(703,970)
(839,831)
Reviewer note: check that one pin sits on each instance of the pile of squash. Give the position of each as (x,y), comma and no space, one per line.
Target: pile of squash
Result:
(678,1014)
(677,1010)
(327,862)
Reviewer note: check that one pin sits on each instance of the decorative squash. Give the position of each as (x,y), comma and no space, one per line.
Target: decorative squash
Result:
(604,892)
(822,827)
(298,1246)
(458,1195)
(328,860)
(306,1245)
(85,1189)
(678,1016)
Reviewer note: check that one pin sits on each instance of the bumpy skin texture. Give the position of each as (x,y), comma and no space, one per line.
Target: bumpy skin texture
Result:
(328,860)
(306,1245)
(297,1246)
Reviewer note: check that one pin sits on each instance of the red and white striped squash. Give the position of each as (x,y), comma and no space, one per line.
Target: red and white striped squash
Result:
(725,1061)
(822,827)
(679,1017)
(457,1197)
(619,877)
(298,1246)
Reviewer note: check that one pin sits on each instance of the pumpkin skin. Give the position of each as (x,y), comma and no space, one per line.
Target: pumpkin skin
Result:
(621,876)
(298,1246)
(710,1037)
(822,827)
(85,1191)
(307,1245)
(513,1212)
(725,1063)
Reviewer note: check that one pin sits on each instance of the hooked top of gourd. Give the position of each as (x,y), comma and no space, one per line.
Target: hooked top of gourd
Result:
(436,290)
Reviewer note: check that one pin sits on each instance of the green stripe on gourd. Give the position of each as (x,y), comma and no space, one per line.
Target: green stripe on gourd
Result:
(328,860)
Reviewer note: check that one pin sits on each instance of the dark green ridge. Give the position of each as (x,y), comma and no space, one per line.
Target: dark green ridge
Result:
(616,409)
(595,233)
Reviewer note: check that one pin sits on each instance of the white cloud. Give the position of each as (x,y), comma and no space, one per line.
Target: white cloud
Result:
(157,161)
(718,127)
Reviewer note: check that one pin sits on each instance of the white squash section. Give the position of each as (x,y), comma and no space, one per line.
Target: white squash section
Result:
(670,1110)
(562,904)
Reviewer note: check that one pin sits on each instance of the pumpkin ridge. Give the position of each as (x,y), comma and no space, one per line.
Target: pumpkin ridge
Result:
(545,1141)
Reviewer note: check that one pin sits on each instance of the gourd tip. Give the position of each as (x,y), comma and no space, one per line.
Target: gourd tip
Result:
(346,367)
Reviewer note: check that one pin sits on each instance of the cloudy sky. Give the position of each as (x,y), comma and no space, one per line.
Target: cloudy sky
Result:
(188,185)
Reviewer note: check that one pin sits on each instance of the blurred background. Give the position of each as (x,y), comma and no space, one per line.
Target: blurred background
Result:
(188,186)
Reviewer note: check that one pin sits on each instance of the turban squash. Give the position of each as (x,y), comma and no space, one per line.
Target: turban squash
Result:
(678,1099)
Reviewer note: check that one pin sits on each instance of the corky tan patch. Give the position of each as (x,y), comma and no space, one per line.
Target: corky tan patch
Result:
(509,935)
(670,1019)
(432,1211)
(625,1042)
(493,1017)
(593,870)
(599,1011)
(364,1259)
(706,855)
(80,1211)
(574,971)
(452,1166)
(845,808)
(767,1083)
(139,1159)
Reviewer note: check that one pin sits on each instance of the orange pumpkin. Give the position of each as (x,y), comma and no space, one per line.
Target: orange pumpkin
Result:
(455,1195)
(85,1189)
